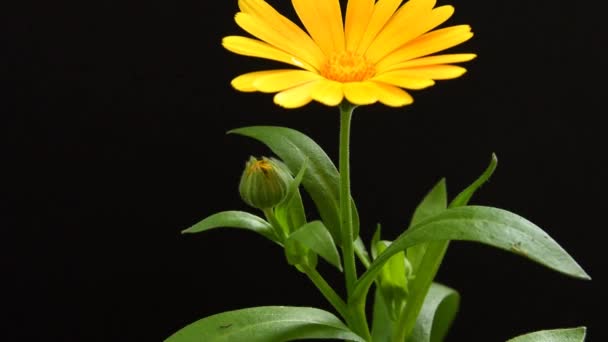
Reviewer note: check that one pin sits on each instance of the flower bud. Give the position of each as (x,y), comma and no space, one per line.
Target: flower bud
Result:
(264,182)
(393,280)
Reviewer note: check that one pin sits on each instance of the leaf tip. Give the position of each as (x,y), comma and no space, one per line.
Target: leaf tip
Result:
(585,276)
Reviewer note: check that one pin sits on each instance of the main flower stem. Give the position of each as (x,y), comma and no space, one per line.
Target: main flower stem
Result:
(346,220)
(356,310)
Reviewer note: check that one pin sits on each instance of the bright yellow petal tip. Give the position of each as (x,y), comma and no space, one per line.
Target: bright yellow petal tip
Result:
(371,55)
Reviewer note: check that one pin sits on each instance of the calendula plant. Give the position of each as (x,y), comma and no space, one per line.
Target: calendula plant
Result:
(374,54)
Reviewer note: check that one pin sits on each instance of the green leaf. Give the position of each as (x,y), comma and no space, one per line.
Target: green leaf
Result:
(362,252)
(491,226)
(556,335)
(425,258)
(266,324)
(321,180)
(463,198)
(375,239)
(315,236)
(382,325)
(438,312)
(421,284)
(433,203)
(234,219)
(290,213)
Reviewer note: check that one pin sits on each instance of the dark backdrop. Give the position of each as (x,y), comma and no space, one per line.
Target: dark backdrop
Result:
(114,119)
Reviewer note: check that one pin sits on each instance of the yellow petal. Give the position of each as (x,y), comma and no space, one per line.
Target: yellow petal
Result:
(407,25)
(427,44)
(404,80)
(283,79)
(323,21)
(245,82)
(295,97)
(383,10)
(432,60)
(328,92)
(298,39)
(358,13)
(391,95)
(360,93)
(435,72)
(282,40)
(255,48)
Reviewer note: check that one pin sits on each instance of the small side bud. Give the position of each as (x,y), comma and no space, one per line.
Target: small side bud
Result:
(264,183)
(393,280)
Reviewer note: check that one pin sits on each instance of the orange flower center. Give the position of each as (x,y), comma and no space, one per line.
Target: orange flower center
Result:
(262,165)
(347,67)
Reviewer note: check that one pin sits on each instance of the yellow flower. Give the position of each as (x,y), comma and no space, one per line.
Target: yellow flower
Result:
(380,49)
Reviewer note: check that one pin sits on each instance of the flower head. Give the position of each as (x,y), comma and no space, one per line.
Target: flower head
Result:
(378,50)
(264,182)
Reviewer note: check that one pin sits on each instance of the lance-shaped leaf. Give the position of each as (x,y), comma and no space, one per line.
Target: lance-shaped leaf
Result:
(290,212)
(556,335)
(438,312)
(433,203)
(382,324)
(315,236)
(321,180)
(266,324)
(495,227)
(234,219)
(361,252)
(420,285)
(427,257)
(463,197)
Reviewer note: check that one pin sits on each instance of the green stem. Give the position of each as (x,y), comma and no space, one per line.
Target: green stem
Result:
(278,228)
(350,271)
(327,291)
(356,318)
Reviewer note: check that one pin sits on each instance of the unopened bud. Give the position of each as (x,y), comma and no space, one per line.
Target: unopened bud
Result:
(264,182)
(393,280)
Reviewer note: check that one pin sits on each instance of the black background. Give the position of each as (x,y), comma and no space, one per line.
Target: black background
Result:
(113,130)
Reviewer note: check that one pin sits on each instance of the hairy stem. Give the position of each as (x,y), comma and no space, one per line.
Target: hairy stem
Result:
(346,220)
(356,319)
